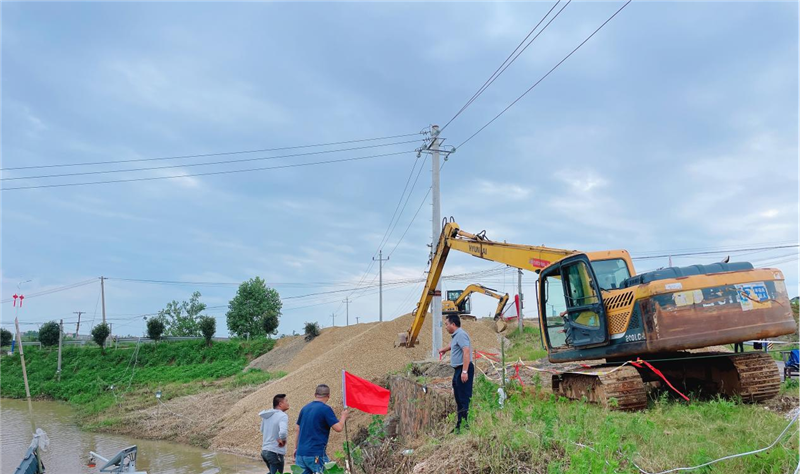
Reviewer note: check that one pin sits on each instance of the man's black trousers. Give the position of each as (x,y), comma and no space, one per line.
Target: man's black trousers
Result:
(463,392)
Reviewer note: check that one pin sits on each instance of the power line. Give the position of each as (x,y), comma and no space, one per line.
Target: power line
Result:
(54,290)
(715,252)
(210,163)
(543,77)
(210,173)
(502,68)
(205,155)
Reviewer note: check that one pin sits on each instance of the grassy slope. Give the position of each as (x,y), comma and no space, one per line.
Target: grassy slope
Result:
(176,368)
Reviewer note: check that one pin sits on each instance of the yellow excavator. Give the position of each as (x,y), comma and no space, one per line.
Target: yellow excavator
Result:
(592,305)
(458,302)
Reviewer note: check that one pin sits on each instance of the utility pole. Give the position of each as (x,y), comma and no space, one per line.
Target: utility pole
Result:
(60,337)
(78,327)
(436,302)
(519,291)
(333,319)
(103,297)
(347,305)
(380,283)
(356,319)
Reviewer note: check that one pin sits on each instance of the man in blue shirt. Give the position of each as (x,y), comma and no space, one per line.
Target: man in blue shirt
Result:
(461,361)
(313,428)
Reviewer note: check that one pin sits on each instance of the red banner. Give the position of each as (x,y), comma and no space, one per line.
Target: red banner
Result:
(363,395)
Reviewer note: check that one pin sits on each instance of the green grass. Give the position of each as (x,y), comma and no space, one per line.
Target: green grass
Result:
(526,345)
(538,432)
(94,382)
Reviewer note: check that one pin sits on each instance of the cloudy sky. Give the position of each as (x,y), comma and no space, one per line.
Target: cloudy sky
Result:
(673,130)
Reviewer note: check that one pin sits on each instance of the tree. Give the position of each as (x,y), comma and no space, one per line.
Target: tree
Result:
(155,328)
(5,337)
(208,326)
(180,319)
(49,334)
(100,334)
(311,331)
(254,310)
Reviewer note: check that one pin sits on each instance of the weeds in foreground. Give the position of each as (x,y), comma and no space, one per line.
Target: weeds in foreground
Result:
(537,432)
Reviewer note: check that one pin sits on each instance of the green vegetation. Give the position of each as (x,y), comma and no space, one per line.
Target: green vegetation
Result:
(5,337)
(93,381)
(311,331)
(100,334)
(255,309)
(525,346)
(208,326)
(155,329)
(181,319)
(538,432)
(49,334)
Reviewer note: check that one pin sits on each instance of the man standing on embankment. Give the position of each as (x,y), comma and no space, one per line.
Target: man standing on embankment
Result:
(461,361)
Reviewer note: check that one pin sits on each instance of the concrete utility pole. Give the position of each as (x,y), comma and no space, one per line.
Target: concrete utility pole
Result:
(333,319)
(103,297)
(380,283)
(78,327)
(436,302)
(60,337)
(347,313)
(357,319)
(519,291)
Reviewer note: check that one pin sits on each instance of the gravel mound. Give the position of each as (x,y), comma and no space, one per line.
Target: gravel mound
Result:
(280,356)
(366,350)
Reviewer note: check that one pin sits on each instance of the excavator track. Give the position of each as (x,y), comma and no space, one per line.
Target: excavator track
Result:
(759,378)
(622,389)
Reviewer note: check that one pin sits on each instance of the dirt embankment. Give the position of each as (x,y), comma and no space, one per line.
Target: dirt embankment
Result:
(227,419)
(364,351)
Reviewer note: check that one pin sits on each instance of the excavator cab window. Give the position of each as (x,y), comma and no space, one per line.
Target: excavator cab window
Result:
(554,307)
(611,273)
(585,319)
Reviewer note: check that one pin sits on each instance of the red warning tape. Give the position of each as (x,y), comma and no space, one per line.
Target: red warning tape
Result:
(658,372)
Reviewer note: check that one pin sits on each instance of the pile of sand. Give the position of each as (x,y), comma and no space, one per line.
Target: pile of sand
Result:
(366,350)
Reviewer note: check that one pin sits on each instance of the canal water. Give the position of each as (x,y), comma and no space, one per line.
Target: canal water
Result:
(69,446)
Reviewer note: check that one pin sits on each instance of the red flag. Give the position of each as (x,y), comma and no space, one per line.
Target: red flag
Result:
(363,395)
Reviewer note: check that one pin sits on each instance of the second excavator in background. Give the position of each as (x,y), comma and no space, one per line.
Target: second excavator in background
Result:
(459,302)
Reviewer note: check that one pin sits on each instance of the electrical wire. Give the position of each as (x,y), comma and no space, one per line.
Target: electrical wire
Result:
(502,68)
(716,252)
(205,155)
(210,163)
(210,173)
(54,290)
(543,77)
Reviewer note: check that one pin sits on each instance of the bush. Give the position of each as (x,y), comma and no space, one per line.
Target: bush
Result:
(311,331)
(49,334)
(5,337)
(208,326)
(155,328)
(100,334)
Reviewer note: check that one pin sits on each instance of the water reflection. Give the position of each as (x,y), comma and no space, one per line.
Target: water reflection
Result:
(69,446)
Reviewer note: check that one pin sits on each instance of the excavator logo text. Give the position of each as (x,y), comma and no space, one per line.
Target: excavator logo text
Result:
(478,250)
(538,263)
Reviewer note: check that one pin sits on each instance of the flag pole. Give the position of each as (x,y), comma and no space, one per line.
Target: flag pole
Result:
(349,460)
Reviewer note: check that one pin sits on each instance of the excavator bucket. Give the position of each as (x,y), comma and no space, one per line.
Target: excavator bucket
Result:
(402,339)
(500,325)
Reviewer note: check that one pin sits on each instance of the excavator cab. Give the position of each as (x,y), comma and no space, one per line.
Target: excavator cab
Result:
(572,305)
(453,295)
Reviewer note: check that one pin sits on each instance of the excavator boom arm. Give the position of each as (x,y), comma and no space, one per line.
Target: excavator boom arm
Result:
(527,257)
